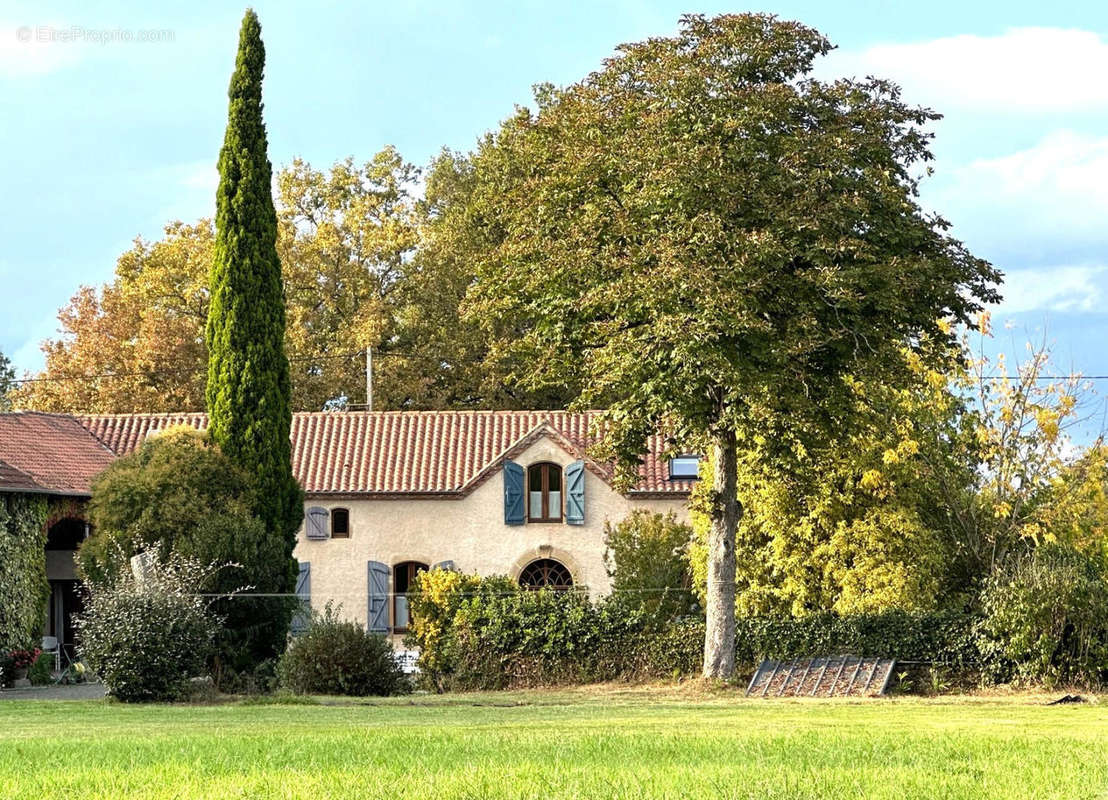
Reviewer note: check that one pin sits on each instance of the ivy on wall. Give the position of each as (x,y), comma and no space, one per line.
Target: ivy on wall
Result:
(23,586)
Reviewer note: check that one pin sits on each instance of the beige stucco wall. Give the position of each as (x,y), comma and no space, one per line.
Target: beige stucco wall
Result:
(470,532)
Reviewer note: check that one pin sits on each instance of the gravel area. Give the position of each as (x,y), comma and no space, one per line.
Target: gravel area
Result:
(76,691)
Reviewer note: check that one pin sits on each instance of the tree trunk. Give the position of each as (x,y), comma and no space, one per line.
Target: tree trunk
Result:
(719,634)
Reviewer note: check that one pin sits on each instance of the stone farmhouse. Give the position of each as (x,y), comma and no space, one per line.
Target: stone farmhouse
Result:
(387,494)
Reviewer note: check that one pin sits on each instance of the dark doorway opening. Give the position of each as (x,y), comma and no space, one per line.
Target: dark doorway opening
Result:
(403,578)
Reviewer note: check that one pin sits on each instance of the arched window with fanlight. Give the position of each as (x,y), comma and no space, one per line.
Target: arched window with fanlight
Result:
(546,573)
(544,493)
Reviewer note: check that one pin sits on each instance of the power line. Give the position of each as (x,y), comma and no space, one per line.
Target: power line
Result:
(176,371)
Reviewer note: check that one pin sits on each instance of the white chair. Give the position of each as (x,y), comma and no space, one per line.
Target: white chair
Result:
(50,647)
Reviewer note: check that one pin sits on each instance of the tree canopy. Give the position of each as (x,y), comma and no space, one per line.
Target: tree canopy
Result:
(365,262)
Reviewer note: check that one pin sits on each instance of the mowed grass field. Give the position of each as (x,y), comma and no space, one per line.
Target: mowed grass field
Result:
(614,743)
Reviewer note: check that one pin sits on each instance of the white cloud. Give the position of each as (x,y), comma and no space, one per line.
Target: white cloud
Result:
(1023,69)
(1065,288)
(1055,192)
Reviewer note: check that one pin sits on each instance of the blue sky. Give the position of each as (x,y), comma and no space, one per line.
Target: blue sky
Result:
(105,139)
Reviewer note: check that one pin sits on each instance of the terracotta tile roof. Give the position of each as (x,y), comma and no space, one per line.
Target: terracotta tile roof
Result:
(402,452)
(50,453)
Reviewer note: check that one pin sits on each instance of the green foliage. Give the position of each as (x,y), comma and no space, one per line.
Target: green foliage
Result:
(713,238)
(433,602)
(491,634)
(178,493)
(23,586)
(864,524)
(342,658)
(40,673)
(248,391)
(946,637)
(146,638)
(1046,618)
(646,558)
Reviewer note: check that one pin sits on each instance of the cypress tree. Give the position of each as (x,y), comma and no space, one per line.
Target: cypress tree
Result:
(248,391)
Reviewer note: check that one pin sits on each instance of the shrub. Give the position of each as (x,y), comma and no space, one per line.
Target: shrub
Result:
(1046,619)
(146,638)
(179,493)
(646,558)
(41,672)
(338,657)
(433,602)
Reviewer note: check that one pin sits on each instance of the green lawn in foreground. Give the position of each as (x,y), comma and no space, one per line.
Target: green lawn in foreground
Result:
(573,744)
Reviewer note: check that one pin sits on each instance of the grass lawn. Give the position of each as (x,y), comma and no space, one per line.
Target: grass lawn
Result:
(598,743)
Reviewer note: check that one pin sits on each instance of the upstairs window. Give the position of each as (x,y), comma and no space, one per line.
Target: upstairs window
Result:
(340,523)
(544,493)
(684,468)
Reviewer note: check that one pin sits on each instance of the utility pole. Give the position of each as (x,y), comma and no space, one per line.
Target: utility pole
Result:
(369,378)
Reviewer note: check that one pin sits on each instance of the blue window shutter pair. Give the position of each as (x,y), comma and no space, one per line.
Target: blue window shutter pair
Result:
(378,583)
(514,513)
(303,614)
(575,493)
(513,493)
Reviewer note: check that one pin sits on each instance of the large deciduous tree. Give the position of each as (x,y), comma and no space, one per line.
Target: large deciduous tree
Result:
(364,263)
(716,242)
(136,344)
(248,372)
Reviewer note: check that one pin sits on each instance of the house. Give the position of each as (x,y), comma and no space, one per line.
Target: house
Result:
(55,456)
(391,493)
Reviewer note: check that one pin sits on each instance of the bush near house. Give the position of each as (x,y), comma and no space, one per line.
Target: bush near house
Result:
(337,657)
(646,556)
(40,672)
(487,633)
(146,638)
(179,494)
(1046,619)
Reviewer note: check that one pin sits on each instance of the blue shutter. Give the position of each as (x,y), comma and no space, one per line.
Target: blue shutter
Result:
(575,493)
(316,523)
(447,565)
(303,614)
(513,493)
(378,619)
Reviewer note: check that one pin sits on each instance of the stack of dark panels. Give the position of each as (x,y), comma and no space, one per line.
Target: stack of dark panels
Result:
(834,676)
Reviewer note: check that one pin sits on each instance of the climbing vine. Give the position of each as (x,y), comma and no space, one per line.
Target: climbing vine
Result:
(23,586)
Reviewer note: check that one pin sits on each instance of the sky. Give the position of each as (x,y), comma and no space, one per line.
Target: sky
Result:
(112,119)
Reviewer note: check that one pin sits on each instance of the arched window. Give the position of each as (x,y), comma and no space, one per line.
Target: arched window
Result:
(544,493)
(545,573)
(403,578)
(340,523)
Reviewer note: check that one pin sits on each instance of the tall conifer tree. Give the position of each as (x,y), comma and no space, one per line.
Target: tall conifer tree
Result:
(248,371)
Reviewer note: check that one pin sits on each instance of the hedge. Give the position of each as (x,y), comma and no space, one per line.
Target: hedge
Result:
(478,633)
